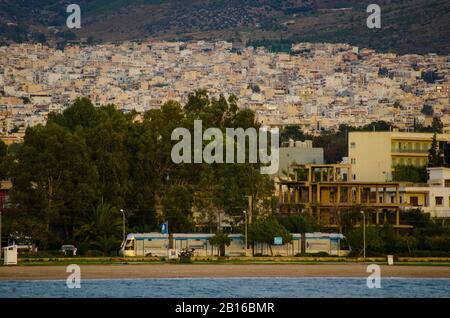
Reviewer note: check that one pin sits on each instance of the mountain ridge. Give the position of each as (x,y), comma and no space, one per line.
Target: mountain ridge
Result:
(408,26)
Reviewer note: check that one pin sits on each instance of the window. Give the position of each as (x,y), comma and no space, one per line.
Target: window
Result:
(439,201)
(354,177)
(353,161)
(414,201)
(447,183)
(344,245)
(352,145)
(129,245)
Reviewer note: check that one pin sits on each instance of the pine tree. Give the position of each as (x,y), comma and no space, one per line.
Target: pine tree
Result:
(437,125)
(434,154)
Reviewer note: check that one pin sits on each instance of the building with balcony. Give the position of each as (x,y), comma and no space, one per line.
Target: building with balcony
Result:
(434,197)
(374,155)
(325,192)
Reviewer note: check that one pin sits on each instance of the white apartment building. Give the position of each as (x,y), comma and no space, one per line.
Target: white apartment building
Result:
(297,152)
(433,198)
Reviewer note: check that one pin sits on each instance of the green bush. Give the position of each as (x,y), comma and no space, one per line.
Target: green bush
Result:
(94,253)
(439,243)
(41,254)
(185,259)
(113,253)
(422,253)
(321,254)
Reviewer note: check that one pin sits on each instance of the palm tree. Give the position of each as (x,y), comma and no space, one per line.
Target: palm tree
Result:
(103,228)
(220,240)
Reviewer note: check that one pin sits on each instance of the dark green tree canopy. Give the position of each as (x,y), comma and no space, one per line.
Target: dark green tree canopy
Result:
(90,161)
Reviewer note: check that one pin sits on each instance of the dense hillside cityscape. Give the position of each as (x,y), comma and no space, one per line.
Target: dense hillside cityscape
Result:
(93,114)
(315,86)
(221,155)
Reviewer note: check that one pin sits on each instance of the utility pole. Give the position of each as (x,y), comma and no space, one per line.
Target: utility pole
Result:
(123,220)
(1,233)
(364,233)
(246,232)
(250,209)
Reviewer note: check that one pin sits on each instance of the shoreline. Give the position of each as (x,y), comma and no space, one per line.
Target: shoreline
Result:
(149,271)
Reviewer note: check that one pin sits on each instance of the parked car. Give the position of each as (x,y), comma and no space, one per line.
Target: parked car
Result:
(69,250)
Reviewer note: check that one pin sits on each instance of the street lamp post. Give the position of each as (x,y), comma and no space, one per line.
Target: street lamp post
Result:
(0,233)
(364,233)
(123,220)
(245,213)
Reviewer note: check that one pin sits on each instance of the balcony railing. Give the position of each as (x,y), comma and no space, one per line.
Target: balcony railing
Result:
(398,150)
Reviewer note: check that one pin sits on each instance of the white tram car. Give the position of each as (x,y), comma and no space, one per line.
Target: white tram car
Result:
(157,244)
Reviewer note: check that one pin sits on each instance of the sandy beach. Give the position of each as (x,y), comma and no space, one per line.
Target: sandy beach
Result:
(217,270)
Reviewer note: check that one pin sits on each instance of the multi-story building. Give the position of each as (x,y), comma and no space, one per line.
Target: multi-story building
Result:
(325,192)
(374,155)
(433,198)
(297,152)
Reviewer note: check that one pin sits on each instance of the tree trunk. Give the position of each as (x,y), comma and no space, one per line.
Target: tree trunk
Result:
(170,240)
(158,207)
(303,244)
(49,201)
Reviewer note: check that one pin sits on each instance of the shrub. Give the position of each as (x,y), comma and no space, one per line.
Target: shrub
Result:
(94,253)
(321,254)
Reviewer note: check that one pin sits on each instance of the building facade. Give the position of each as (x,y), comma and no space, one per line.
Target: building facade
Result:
(433,198)
(325,192)
(297,152)
(374,155)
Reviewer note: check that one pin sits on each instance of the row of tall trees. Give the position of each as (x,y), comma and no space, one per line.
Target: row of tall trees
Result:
(72,176)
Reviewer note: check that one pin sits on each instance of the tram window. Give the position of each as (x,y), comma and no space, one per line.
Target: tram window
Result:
(130,245)
(344,245)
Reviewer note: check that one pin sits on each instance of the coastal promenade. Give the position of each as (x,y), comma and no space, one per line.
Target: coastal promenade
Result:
(148,271)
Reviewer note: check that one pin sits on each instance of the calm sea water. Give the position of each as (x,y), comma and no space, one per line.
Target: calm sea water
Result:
(231,287)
